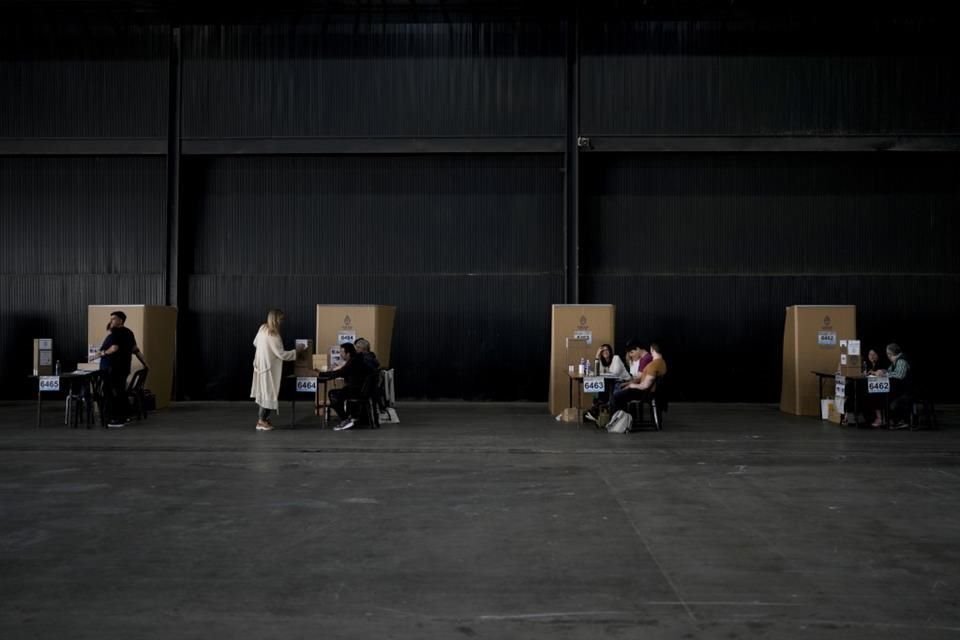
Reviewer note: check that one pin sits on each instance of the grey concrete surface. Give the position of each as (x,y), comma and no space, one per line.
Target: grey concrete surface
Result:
(478,521)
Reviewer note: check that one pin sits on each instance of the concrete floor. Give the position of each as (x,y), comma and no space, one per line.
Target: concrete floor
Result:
(478,521)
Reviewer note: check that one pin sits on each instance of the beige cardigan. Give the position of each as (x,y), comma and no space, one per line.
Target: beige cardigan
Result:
(268,369)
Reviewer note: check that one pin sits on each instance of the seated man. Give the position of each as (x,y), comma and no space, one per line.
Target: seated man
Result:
(638,390)
(354,372)
(363,348)
(900,397)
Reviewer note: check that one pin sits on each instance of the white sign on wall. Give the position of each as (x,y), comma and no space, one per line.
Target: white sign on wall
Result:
(840,388)
(586,336)
(827,338)
(346,336)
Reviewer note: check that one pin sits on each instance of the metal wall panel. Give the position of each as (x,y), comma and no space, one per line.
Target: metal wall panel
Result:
(742,76)
(83,80)
(703,252)
(76,231)
(771,213)
(469,249)
(362,78)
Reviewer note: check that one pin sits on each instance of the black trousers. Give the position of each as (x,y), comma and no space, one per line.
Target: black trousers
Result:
(339,397)
(621,397)
(115,395)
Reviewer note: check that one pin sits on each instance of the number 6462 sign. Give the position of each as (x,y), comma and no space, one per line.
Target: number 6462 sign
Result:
(878,384)
(593,385)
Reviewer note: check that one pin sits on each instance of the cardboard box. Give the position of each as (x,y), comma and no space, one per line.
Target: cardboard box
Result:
(155,328)
(304,358)
(837,415)
(42,357)
(811,342)
(346,323)
(319,361)
(577,332)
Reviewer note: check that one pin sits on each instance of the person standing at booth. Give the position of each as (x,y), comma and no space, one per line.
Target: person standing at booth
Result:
(268,367)
(116,356)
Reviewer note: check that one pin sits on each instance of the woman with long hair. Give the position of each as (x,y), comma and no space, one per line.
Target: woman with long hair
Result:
(268,367)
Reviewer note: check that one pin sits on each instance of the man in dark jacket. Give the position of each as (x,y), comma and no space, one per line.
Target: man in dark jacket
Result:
(354,372)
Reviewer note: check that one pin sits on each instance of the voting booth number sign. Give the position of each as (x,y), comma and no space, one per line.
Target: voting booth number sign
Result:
(49,383)
(593,384)
(878,384)
(306,385)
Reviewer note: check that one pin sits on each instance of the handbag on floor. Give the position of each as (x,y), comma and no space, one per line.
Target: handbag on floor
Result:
(620,422)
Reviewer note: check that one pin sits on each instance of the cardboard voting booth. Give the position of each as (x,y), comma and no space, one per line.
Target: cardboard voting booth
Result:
(811,342)
(155,328)
(337,324)
(577,332)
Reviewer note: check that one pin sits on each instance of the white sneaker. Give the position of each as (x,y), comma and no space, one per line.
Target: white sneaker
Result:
(343,426)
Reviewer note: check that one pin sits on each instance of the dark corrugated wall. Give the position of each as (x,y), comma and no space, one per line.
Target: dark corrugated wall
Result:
(469,248)
(85,80)
(702,252)
(77,231)
(359,78)
(772,76)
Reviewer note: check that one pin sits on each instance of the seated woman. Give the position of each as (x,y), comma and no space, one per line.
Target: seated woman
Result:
(871,364)
(612,367)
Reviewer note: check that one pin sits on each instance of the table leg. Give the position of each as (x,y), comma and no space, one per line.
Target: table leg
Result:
(39,402)
(293,405)
(570,389)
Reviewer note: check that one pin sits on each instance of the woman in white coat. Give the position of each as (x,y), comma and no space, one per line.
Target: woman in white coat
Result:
(268,367)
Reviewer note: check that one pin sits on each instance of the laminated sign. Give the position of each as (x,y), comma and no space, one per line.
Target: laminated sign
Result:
(593,384)
(306,384)
(827,338)
(878,384)
(840,388)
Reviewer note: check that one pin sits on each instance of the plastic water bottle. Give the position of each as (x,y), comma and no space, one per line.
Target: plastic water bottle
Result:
(56,369)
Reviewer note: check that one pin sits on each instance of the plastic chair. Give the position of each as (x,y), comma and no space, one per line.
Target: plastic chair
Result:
(135,391)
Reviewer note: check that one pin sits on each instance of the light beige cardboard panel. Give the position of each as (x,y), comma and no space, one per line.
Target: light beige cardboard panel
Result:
(155,328)
(804,352)
(373,322)
(567,320)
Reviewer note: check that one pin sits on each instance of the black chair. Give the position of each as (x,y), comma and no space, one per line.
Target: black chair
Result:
(658,403)
(367,400)
(135,391)
(923,413)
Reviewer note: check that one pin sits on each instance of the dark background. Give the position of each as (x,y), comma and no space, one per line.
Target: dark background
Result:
(424,154)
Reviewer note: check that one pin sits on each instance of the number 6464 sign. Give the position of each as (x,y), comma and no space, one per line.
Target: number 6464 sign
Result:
(306,385)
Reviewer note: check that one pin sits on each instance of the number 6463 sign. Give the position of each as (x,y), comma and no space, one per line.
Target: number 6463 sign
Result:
(594,384)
